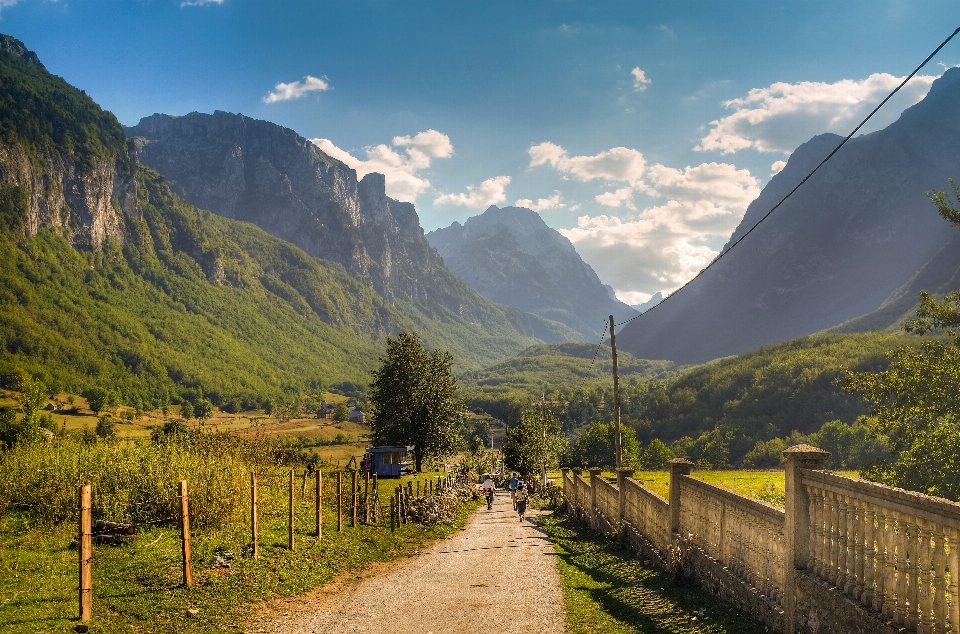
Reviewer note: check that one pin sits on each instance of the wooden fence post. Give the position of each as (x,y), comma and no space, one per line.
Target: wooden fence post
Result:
(319,504)
(254,520)
(393,513)
(86,552)
(185,535)
(366,497)
(339,501)
(353,479)
(377,511)
(418,488)
(292,508)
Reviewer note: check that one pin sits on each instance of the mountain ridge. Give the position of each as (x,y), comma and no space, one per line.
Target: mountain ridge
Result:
(836,250)
(512,257)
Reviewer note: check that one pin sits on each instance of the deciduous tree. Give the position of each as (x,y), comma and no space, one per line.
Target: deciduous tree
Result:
(413,399)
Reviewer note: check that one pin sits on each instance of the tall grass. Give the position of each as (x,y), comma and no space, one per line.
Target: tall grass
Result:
(132,482)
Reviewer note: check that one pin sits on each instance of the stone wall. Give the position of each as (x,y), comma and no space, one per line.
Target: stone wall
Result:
(843,556)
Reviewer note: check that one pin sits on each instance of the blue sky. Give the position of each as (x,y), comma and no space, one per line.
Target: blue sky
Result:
(639,129)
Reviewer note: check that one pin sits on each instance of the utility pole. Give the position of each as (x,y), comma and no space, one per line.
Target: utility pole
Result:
(616,397)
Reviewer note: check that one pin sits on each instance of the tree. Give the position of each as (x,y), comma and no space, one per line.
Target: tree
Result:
(106,428)
(655,456)
(535,444)
(33,394)
(916,401)
(186,409)
(596,446)
(100,398)
(413,399)
(203,409)
(340,412)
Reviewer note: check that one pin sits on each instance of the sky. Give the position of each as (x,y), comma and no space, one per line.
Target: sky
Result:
(639,130)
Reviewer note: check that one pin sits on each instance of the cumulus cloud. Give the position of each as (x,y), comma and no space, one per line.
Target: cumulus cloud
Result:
(615,164)
(781,116)
(400,163)
(489,192)
(542,204)
(777,167)
(640,81)
(296,89)
(663,245)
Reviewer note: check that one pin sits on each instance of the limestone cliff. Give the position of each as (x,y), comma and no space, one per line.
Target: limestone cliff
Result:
(65,173)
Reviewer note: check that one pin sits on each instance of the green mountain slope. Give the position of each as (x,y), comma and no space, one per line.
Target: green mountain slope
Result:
(107,277)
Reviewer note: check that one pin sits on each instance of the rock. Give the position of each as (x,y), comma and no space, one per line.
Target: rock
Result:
(193,613)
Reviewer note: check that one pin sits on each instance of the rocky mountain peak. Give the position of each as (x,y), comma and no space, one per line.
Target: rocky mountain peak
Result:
(15,46)
(513,257)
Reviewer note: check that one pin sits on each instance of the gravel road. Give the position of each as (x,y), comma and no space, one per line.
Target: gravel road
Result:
(497,575)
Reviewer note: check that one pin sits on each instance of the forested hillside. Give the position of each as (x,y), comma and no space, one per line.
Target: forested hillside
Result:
(108,278)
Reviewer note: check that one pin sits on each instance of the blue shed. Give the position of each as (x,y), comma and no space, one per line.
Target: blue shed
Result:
(388,461)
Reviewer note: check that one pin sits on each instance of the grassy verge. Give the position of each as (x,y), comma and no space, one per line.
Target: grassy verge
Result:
(608,590)
(137,587)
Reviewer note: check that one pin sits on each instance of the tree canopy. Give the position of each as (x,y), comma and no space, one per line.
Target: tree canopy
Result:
(413,399)
(916,401)
(535,443)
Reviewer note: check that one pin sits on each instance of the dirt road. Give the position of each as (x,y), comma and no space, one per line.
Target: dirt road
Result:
(497,575)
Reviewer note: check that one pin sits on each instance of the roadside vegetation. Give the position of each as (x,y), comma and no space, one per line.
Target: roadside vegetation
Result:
(607,589)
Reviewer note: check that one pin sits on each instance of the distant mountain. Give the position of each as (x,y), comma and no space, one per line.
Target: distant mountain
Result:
(511,256)
(650,303)
(859,235)
(263,173)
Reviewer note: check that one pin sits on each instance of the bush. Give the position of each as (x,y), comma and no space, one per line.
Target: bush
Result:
(133,483)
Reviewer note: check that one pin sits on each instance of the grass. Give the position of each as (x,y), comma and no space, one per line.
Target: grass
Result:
(608,590)
(137,587)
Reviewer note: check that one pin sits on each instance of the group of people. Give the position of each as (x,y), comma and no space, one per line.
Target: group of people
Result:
(519,493)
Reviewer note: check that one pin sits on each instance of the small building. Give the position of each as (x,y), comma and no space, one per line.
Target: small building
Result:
(388,461)
(357,416)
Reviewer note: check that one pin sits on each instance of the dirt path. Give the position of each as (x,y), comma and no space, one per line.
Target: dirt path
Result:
(497,575)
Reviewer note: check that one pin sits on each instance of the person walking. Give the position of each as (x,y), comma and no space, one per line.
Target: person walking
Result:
(489,487)
(521,500)
(513,489)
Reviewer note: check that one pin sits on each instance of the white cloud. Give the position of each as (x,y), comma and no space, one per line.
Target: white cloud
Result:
(615,164)
(777,167)
(542,204)
(296,89)
(622,197)
(782,116)
(401,168)
(489,192)
(640,81)
(199,3)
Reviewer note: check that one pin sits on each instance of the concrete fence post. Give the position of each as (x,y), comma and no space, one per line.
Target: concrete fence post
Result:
(577,505)
(622,474)
(594,476)
(678,467)
(564,473)
(796,529)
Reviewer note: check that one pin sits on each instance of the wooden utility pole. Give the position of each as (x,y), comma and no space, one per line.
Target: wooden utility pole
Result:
(616,397)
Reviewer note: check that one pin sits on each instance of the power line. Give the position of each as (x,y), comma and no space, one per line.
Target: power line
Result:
(805,179)
(592,361)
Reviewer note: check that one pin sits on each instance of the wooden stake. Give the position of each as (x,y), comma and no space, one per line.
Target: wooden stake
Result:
(254,519)
(185,535)
(86,552)
(393,513)
(292,507)
(418,488)
(339,501)
(319,505)
(366,498)
(377,511)
(353,477)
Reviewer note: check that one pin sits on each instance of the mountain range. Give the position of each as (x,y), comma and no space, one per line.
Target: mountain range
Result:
(511,256)
(849,250)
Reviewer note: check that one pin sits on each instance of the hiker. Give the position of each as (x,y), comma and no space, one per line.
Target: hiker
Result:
(488,487)
(521,500)
(513,489)
(490,494)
